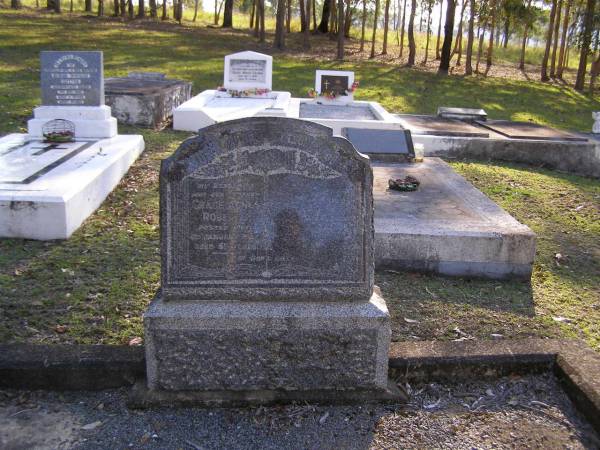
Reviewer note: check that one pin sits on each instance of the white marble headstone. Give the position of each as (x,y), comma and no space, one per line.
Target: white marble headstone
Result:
(248,70)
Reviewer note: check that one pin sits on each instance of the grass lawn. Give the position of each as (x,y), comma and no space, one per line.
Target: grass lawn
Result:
(94,287)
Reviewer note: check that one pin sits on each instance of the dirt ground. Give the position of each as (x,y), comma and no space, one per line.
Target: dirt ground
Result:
(516,412)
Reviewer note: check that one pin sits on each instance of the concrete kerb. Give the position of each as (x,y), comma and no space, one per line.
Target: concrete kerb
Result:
(96,367)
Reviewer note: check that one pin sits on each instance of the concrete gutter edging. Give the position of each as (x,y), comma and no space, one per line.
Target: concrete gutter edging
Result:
(95,367)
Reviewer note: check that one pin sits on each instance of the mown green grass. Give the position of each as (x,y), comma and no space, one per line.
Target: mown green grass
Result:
(98,283)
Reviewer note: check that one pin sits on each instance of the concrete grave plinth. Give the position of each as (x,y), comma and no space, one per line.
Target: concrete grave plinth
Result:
(267,270)
(145,99)
(447,226)
(267,346)
(48,190)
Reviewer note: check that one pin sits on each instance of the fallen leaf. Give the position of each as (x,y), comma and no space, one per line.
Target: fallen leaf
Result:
(324,418)
(60,329)
(135,341)
(407,320)
(91,426)
(561,319)
(497,336)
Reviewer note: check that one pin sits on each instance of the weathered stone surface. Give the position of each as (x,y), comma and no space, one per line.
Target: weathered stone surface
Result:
(267,345)
(72,78)
(145,99)
(528,130)
(267,209)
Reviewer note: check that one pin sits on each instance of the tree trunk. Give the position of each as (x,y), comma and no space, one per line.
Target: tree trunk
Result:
(430,6)
(563,42)
(403,26)
(152,6)
(362,26)
(458,39)
(306,40)
(288,16)
(227,14)
(490,50)
(15,4)
(165,12)
(588,24)
(506,31)
(341,30)
(302,8)
(549,33)
(412,47)
(333,21)
(100,8)
(116,7)
(523,47)
(130,8)
(324,25)
(71,6)
(470,39)
(439,32)
(348,19)
(386,19)
(141,8)
(88,6)
(594,72)
(123,7)
(375,20)
(195,10)
(480,47)
(279,41)
(314,14)
(447,45)
(555,38)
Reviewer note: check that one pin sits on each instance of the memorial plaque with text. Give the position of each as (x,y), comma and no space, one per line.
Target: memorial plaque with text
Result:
(247,71)
(337,84)
(266,209)
(72,78)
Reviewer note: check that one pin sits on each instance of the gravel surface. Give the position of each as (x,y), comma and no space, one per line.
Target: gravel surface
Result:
(515,412)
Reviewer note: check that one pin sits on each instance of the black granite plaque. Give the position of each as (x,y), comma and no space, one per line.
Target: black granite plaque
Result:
(334,83)
(381,141)
(266,209)
(72,78)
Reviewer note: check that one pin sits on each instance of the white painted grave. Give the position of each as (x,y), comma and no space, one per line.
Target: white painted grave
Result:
(47,189)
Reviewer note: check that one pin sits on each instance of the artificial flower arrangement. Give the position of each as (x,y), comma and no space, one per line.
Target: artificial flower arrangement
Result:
(254,92)
(331,95)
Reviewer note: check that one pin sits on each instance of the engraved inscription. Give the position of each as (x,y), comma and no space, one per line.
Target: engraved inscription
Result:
(247,70)
(334,83)
(72,79)
(266,208)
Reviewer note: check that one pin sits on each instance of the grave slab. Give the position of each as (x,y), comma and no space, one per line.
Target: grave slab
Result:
(440,126)
(447,226)
(145,99)
(528,130)
(48,190)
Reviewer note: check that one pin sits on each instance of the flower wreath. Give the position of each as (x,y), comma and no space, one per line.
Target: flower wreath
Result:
(331,95)
(254,92)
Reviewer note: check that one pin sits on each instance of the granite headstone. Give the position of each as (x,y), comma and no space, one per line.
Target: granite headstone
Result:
(72,78)
(267,209)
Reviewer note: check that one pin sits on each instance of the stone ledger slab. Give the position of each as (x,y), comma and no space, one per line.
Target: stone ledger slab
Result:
(440,126)
(48,190)
(447,226)
(254,346)
(266,208)
(145,99)
(528,130)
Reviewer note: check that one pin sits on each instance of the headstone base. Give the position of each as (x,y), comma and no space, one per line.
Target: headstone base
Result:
(258,349)
(91,122)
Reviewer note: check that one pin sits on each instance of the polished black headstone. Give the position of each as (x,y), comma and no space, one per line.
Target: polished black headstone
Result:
(381,141)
